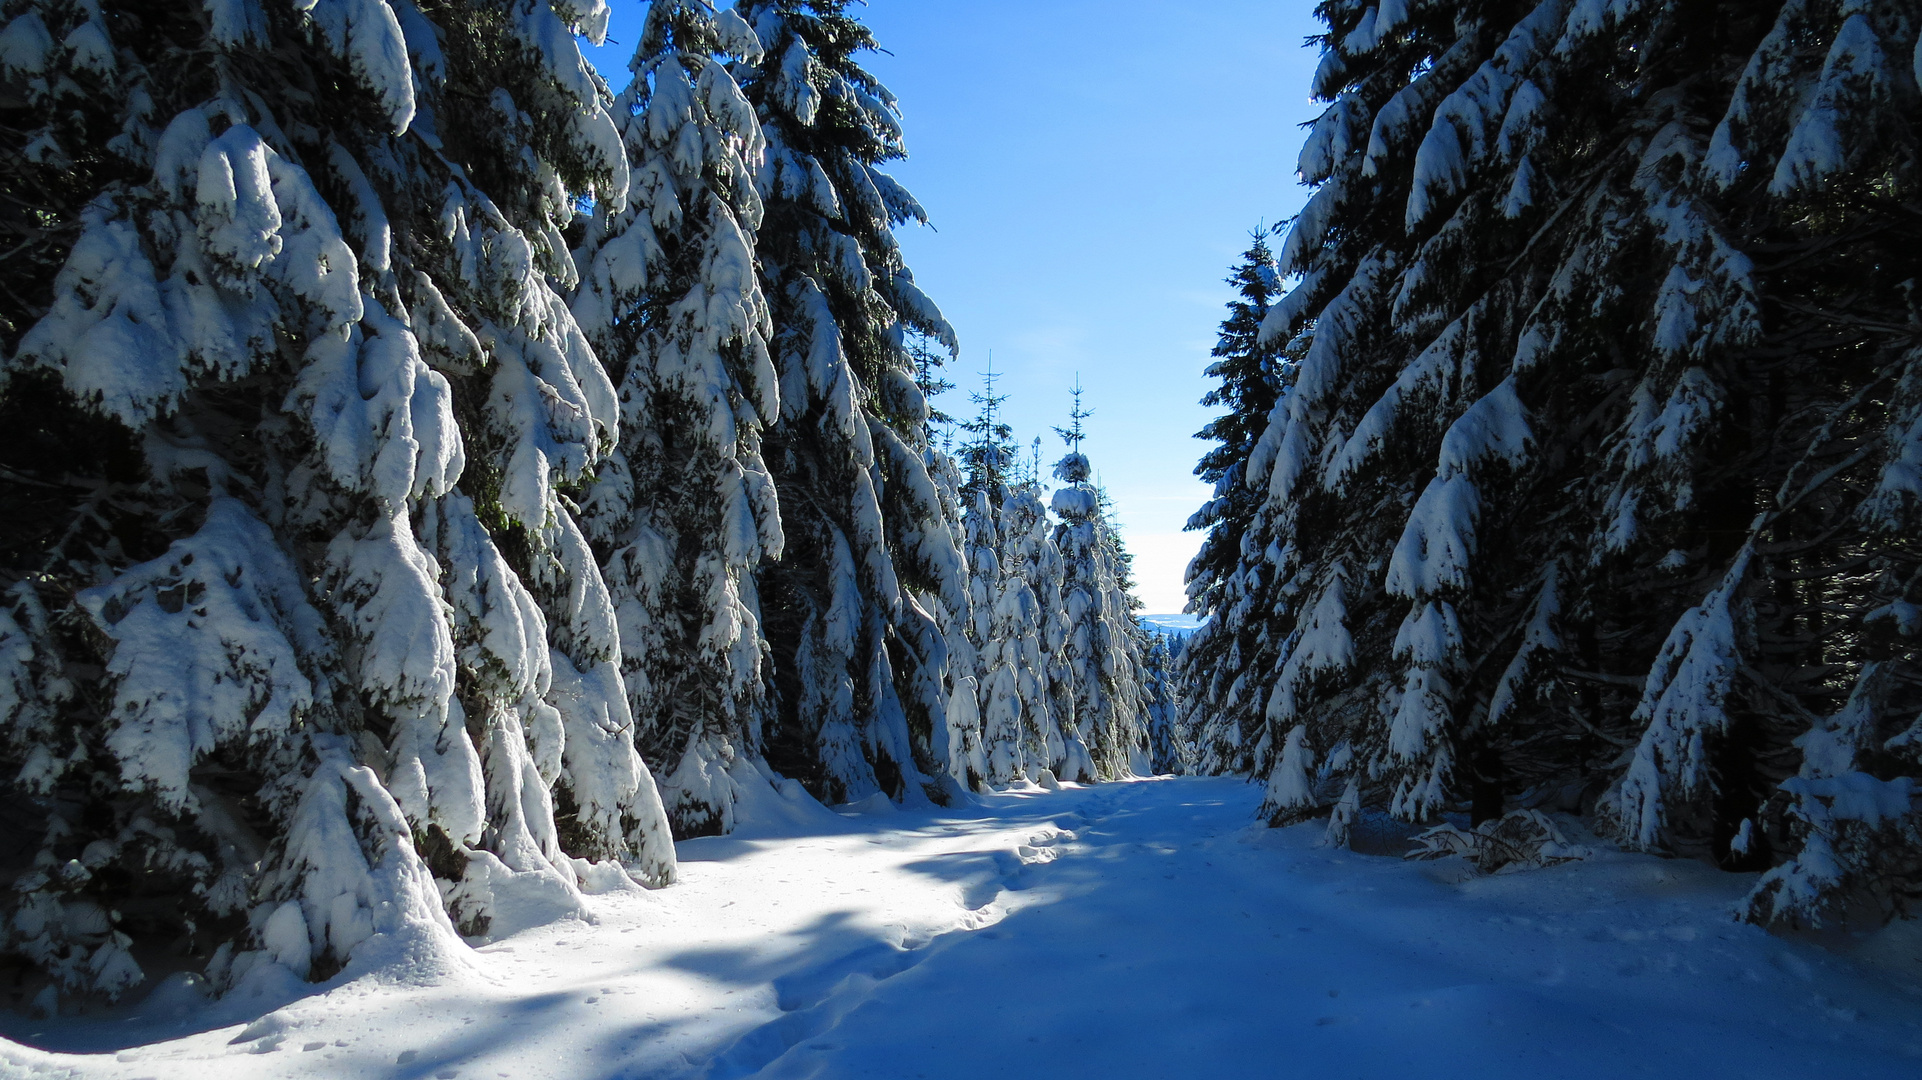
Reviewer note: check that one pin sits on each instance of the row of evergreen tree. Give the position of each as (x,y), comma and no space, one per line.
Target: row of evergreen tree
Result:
(1067,683)
(435,482)
(1576,464)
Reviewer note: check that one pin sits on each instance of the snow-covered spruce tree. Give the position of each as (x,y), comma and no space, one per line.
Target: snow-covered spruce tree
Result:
(1170,749)
(684,510)
(303,651)
(1047,574)
(1227,662)
(861,699)
(1004,630)
(1827,185)
(1103,642)
(1047,678)
(1123,600)
(1007,645)
(1591,486)
(992,671)
(966,760)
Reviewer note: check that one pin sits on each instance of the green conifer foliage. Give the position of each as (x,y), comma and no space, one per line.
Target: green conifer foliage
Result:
(1586,489)
(858,661)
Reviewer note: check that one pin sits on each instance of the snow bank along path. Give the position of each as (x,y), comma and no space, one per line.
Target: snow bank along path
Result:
(1128,930)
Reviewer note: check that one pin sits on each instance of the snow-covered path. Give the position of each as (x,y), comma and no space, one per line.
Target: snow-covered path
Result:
(1127,930)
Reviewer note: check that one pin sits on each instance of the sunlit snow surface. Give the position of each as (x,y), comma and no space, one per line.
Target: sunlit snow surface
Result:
(1128,930)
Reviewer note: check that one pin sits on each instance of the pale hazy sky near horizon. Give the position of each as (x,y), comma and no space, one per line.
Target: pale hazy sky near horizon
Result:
(1092,169)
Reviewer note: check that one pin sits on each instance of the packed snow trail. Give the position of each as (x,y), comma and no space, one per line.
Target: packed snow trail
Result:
(1126,930)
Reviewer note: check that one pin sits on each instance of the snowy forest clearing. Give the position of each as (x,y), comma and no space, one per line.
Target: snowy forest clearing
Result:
(1136,929)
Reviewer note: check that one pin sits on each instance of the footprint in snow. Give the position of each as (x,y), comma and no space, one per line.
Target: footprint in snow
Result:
(1032,856)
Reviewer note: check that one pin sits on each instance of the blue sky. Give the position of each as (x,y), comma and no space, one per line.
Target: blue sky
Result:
(1092,170)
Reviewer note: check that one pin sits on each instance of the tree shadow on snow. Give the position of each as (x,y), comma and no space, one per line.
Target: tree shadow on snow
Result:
(176,1006)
